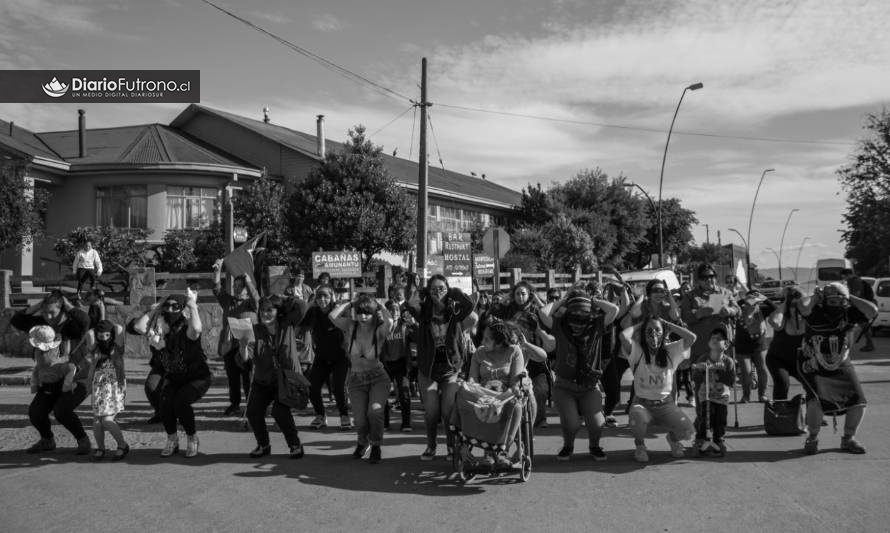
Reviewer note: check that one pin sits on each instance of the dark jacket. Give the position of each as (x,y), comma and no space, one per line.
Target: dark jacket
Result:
(269,351)
(458,307)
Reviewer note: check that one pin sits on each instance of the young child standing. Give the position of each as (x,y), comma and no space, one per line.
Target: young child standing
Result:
(720,369)
(109,388)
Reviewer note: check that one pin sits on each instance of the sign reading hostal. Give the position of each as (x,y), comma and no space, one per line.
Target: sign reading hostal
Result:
(338,264)
(456,250)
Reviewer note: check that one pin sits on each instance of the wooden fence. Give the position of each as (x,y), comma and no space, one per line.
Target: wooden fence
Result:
(144,286)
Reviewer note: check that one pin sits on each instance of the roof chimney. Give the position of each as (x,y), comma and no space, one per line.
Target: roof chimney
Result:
(320,136)
(11,128)
(266,112)
(81,131)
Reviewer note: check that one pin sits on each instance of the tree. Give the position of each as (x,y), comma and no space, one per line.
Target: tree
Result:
(351,202)
(261,206)
(536,208)
(677,223)
(21,213)
(866,179)
(118,247)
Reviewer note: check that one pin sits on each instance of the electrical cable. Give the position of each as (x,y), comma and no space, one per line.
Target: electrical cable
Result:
(388,124)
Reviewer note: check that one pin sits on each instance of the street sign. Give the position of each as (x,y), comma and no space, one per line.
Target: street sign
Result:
(499,248)
(435,264)
(342,264)
(456,250)
(484,266)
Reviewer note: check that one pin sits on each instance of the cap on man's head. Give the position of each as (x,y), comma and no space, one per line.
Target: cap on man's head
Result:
(705,270)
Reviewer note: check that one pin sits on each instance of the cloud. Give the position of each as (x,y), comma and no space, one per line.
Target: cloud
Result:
(40,15)
(275,18)
(328,23)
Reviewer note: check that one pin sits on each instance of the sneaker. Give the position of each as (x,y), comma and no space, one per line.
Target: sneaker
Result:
(191,446)
(763,398)
(83,445)
(697,446)
(744,399)
(260,451)
(98,454)
(345,422)
(691,401)
(851,445)
(811,446)
(120,452)
(677,448)
(406,428)
(320,421)
(232,410)
(597,453)
(640,454)
(501,461)
(611,422)
(721,449)
(360,450)
(428,454)
(296,451)
(375,455)
(42,445)
(171,447)
(565,453)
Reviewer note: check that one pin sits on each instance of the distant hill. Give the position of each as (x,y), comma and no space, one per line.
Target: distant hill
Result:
(804,274)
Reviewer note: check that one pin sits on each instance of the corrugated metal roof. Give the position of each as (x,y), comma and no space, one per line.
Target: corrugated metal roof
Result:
(25,141)
(402,170)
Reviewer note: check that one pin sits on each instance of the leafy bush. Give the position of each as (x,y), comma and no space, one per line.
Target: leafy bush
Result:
(118,247)
(177,254)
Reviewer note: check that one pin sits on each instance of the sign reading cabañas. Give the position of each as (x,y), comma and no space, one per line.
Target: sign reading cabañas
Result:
(341,264)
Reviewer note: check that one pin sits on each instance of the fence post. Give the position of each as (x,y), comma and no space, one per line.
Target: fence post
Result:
(143,290)
(550,280)
(5,288)
(576,275)
(384,279)
(515,276)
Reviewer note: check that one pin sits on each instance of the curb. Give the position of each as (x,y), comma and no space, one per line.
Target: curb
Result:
(15,381)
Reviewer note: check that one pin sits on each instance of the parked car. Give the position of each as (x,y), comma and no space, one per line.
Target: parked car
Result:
(638,279)
(772,289)
(882,296)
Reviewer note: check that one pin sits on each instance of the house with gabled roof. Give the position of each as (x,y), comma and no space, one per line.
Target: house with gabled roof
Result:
(159,177)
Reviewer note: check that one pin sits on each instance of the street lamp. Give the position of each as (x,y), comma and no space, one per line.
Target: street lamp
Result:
(751,219)
(747,257)
(797,263)
(782,241)
(693,87)
(642,190)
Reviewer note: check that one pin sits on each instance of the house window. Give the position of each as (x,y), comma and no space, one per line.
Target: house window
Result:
(191,207)
(122,206)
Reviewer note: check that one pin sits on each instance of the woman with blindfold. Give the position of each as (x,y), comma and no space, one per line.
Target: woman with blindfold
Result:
(444,315)
(579,324)
(174,330)
(366,328)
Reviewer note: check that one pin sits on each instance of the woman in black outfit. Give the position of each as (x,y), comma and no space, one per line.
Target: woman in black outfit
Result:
(789,327)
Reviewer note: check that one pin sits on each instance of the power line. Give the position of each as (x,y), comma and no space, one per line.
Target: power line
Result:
(642,128)
(435,141)
(330,65)
(388,124)
(413,124)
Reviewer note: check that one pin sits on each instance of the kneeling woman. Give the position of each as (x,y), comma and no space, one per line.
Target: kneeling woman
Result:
(274,347)
(368,383)
(654,361)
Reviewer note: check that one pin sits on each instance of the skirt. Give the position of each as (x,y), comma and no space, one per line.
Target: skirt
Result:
(836,390)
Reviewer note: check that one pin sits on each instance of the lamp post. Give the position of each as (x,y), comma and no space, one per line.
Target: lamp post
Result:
(747,257)
(782,241)
(642,190)
(751,219)
(693,87)
(797,262)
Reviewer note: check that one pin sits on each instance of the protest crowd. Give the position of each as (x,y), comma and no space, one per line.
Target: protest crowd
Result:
(486,368)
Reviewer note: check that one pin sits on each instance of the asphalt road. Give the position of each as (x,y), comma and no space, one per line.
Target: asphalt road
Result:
(763,484)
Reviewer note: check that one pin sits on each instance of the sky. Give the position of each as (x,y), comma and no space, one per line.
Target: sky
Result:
(773,72)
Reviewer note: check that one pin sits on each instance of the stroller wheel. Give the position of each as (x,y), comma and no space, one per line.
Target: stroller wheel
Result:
(526,470)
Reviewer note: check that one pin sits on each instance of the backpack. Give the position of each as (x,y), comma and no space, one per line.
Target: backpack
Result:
(751,322)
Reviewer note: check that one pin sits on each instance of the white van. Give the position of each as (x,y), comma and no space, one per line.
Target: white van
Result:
(828,270)
(882,297)
(638,279)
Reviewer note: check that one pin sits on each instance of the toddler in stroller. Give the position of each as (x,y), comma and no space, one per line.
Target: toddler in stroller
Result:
(491,407)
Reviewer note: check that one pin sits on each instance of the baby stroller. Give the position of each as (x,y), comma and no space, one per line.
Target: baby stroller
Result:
(495,424)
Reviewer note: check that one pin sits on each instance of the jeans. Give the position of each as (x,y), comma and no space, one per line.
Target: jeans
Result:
(781,361)
(238,377)
(665,413)
(398,374)
(612,383)
(368,392)
(717,422)
(62,406)
(176,404)
(574,401)
(261,396)
(84,274)
(153,389)
(746,363)
(318,375)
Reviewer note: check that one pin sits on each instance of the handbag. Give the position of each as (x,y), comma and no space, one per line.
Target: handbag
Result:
(293,387)
(784,417)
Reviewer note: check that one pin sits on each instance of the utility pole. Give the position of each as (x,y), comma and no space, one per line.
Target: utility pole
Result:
(422,179)
(707,234)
